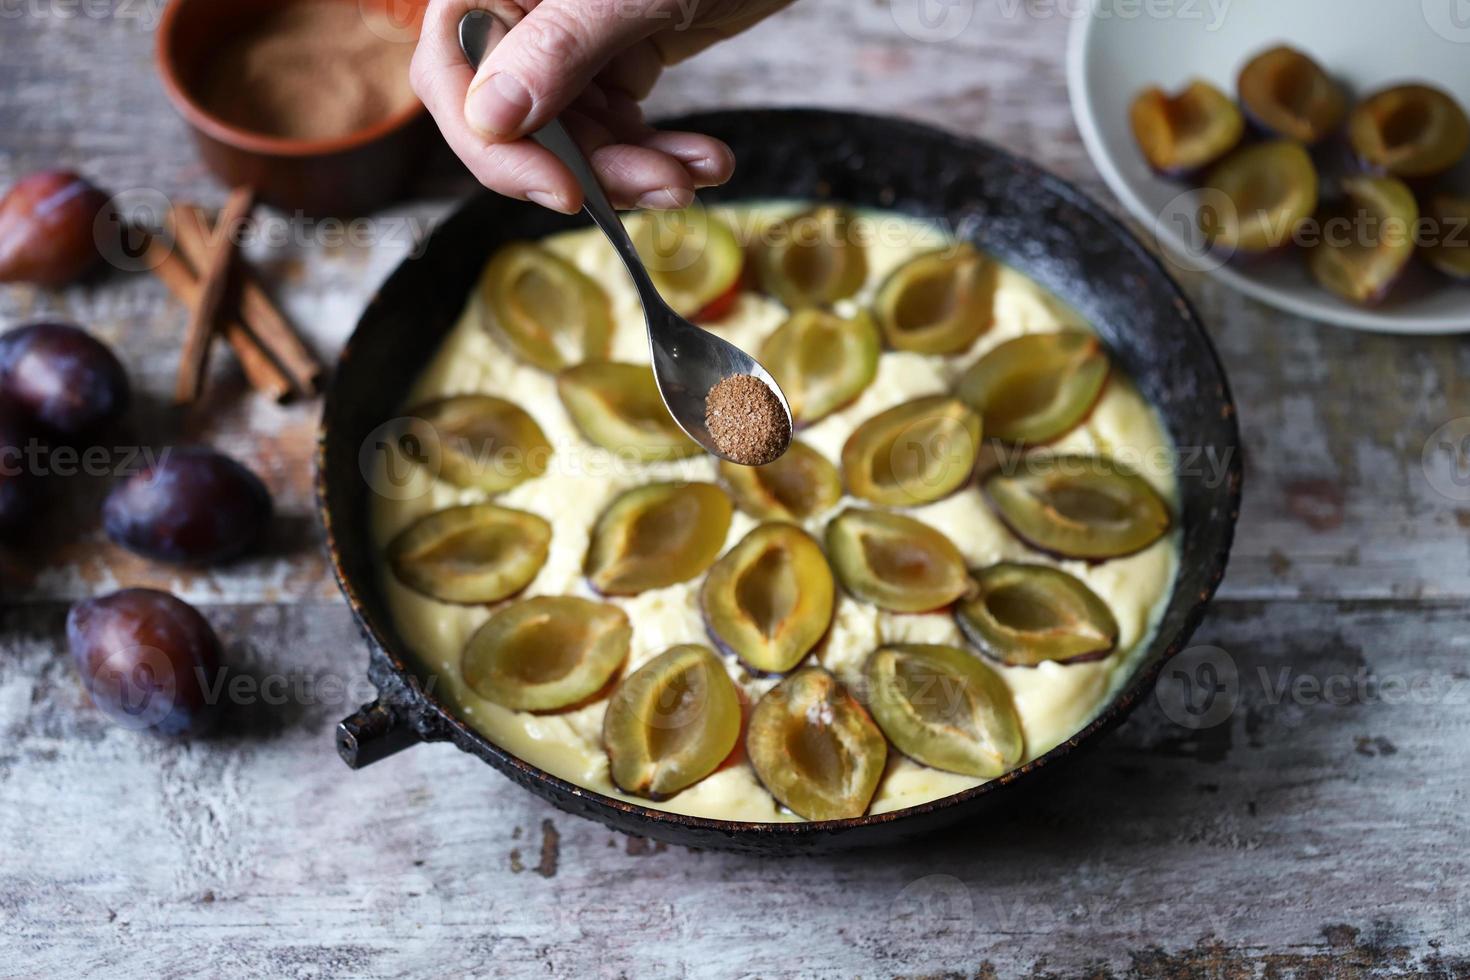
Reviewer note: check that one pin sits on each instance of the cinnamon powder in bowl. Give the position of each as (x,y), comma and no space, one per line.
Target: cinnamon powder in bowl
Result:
(318,69)
(308,101)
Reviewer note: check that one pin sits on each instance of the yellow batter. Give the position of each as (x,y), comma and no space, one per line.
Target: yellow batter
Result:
(1053,701)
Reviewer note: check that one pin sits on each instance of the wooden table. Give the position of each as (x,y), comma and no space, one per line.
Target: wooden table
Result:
(1319,830)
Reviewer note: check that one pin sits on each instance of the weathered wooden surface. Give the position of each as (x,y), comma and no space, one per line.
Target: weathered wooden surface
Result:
(1317,830)
(1306,827)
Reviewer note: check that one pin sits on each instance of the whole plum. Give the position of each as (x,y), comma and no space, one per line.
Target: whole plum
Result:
(148,660)
(193,505)
(66,379)
(48,227)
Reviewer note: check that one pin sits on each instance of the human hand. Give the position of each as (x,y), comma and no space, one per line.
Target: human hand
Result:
(589,62)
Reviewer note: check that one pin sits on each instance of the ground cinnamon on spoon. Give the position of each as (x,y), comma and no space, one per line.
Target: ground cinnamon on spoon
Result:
(747,420)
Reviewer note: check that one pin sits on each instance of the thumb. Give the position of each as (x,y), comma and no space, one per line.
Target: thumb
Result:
(547,59)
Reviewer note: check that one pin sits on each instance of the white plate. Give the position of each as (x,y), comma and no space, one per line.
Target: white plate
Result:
(1121,46)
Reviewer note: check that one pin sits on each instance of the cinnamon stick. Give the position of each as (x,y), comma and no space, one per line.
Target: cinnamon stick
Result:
(214,278)
(174,272)
(260,314)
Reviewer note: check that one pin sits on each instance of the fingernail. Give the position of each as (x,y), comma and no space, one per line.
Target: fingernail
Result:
(703,167)
(547,200)
(498,106)
(666,199)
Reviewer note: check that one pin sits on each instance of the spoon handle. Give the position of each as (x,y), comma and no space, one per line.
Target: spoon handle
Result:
(554,137)
(479,32)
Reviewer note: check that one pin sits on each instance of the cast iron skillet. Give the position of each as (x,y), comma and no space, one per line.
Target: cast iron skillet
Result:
(1004,205)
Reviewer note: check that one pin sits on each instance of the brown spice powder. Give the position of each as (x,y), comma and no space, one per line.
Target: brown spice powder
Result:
(313,69)
(746,420)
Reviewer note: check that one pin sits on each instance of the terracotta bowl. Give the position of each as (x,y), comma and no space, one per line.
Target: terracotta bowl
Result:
(1004,205)
(339,177)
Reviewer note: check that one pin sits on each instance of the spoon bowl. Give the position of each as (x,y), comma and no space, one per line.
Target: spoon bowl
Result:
(687,359)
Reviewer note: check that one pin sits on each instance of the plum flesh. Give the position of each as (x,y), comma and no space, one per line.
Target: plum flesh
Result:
(1288,94)
(1181,134)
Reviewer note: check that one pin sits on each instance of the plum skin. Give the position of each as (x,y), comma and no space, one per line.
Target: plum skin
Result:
(138,645)
(20,498)
(47,223)
(193,506)
(66,379)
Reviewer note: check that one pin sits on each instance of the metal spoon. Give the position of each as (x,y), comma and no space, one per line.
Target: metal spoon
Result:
(687,360)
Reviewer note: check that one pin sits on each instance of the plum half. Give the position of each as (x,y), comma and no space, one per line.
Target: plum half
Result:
(485,443)
(1286,93)
(895,562)
(692,257)
(821,361)
(769,599)
(1409,131)
(546,653)
(799,485)
(671,723)
(1255,199)
(1036,387)
(657,535)
(938,303)
(1022,614)
(618,407)
(942,707)
(913,453)
(1449,251)
(468,555)
(815,748)
(813,259)
(1075,506)
(548,311)
(1367,239)
(1182,134)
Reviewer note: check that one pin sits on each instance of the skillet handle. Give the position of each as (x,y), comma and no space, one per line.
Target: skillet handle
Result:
(375,732)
